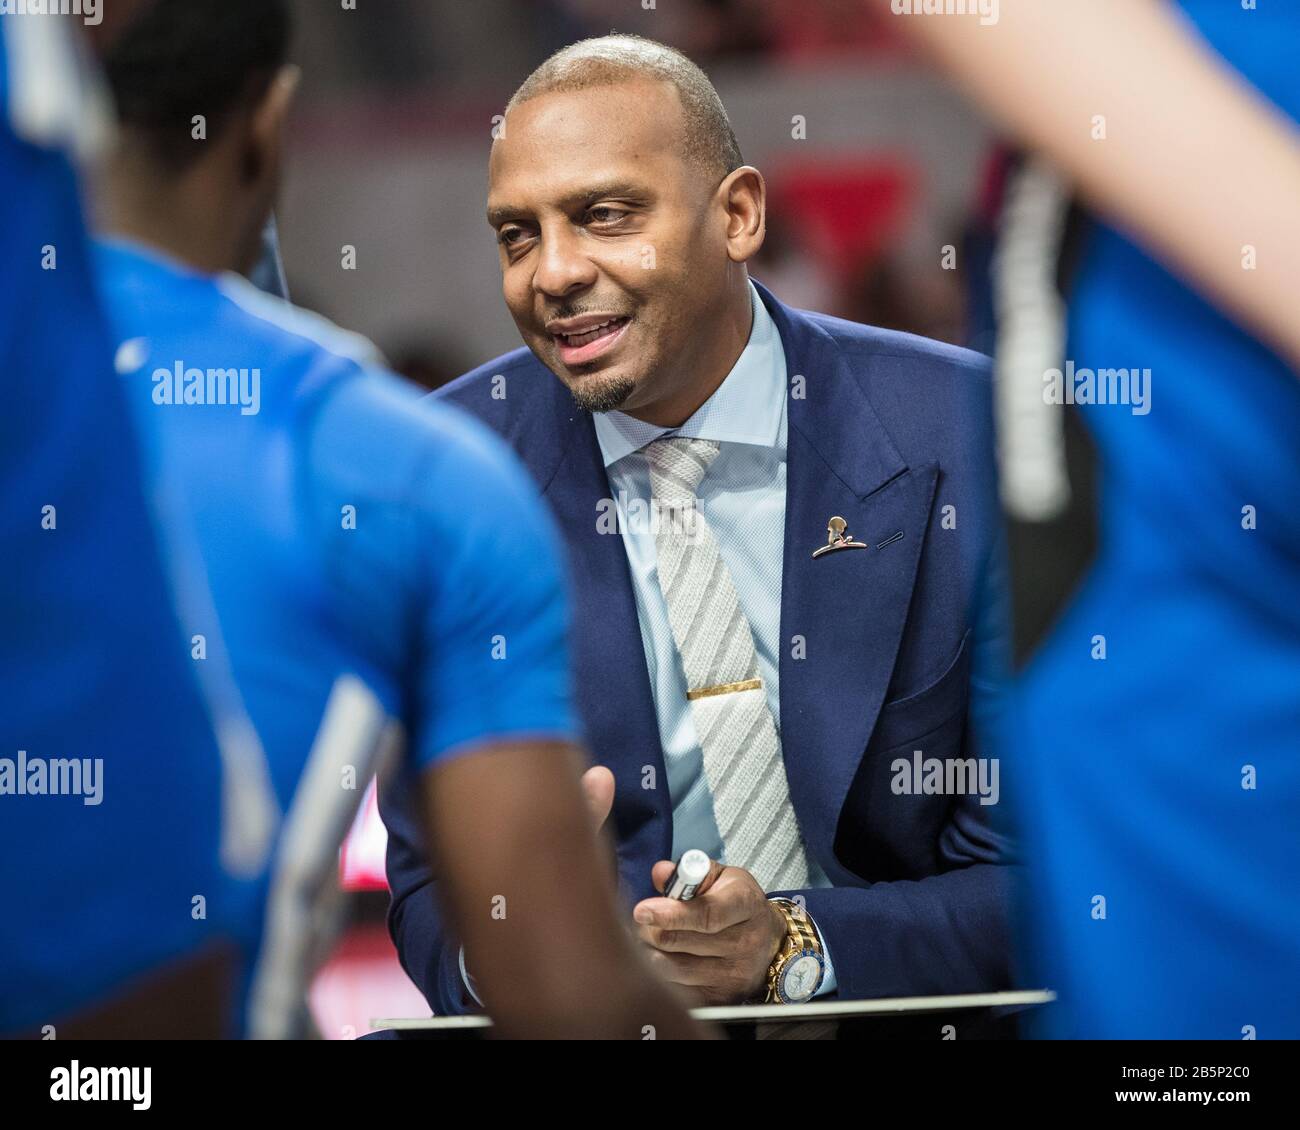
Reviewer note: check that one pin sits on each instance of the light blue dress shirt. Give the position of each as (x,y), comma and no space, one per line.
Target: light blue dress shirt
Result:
(742,496)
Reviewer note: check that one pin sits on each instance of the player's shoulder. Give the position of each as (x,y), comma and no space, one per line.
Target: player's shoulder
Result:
(222,318)
(523,402)
(390,440)
(285,330)
(368,430)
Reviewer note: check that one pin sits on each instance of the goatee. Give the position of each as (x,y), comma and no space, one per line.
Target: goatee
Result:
(602,396)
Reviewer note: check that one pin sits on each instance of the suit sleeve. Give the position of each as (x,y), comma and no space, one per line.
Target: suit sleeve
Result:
(427,952)
(947,933)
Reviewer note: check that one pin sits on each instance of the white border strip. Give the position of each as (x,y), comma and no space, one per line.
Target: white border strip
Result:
(822,1010)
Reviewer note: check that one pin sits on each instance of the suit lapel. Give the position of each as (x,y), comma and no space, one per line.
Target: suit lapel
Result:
(612,684)
(843,613)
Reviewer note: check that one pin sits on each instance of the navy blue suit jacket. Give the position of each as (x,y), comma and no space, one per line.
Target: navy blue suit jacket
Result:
(888,431)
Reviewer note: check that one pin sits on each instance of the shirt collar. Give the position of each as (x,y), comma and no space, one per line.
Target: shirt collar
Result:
(746,408)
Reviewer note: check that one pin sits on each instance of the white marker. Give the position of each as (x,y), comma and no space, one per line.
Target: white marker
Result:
(691,870)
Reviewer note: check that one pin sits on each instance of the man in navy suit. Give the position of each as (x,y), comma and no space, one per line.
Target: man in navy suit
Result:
(780,534)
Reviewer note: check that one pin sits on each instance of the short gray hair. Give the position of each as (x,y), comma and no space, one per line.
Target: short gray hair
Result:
(612,59)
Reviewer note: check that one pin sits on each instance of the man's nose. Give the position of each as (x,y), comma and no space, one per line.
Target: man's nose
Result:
(562,266)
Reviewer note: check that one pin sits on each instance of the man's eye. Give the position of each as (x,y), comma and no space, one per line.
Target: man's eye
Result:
(603,214)
(510,236)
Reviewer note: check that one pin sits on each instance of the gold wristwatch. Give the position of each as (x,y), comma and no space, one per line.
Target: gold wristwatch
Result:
(797,971)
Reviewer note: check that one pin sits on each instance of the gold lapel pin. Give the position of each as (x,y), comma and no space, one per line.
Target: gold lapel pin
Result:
(837,537)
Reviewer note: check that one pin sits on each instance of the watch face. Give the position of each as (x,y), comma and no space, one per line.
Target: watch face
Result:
(799,979)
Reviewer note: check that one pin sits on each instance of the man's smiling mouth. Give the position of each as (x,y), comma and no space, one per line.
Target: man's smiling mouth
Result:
(581,340)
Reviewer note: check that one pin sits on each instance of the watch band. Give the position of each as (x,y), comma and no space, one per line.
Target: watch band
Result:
(800,936)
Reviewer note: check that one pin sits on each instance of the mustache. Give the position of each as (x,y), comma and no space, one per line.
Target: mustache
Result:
(578,310)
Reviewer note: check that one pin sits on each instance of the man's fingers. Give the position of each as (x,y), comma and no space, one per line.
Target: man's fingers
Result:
(684,968)
(690,941)
(661,872)
(598,787)
(715,873)
(707,914)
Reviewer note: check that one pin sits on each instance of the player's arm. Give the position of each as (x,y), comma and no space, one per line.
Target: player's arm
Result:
(526,887)
(524,881)
(1195,163)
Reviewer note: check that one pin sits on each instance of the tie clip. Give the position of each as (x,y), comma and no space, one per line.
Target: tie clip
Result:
(725,688)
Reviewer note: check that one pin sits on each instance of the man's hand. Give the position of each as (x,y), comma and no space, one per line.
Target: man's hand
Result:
(720,944)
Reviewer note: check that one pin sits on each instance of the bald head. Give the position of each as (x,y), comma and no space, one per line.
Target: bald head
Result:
(611,59)
(624,218)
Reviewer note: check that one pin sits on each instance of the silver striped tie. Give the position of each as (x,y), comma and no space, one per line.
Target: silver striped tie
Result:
(742,752)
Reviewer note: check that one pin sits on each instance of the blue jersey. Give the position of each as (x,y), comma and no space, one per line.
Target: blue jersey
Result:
(110,781)
(376,562)
(1160,721)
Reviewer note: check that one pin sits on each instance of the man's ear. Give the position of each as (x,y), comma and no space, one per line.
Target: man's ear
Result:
(266,129)
(743,194)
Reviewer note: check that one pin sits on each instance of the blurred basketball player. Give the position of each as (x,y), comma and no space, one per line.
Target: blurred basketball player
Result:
(381,570)
(1150,459)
